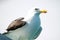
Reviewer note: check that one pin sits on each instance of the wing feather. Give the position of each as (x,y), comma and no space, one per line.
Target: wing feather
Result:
(18,23)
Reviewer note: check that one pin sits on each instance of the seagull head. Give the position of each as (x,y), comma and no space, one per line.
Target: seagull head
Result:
(37,10)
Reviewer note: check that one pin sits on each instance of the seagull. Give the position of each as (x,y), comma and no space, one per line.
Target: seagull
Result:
(24,30)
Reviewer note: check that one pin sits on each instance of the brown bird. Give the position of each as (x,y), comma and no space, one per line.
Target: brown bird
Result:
(16,24)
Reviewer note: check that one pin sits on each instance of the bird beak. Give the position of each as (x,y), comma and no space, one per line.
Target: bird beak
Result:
(43,11)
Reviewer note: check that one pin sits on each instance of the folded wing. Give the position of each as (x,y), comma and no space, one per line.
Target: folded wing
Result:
(18,23)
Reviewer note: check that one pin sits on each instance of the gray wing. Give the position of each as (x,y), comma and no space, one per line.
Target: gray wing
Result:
(16,24)
(38,33)
(3,37)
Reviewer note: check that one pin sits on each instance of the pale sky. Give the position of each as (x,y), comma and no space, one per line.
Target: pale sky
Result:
(12,9)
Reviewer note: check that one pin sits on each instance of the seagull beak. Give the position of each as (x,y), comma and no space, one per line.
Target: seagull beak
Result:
(43,11)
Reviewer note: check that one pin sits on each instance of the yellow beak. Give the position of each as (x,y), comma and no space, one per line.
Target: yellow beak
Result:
(43,11)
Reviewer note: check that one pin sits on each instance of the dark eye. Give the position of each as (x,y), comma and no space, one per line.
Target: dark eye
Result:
(36,9)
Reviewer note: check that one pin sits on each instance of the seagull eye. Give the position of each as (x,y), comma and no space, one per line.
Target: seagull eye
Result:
(36,9)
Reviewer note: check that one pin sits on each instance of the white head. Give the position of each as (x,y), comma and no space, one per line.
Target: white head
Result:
(37,10)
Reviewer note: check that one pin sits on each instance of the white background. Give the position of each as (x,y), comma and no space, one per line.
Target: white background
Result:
(12,9)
